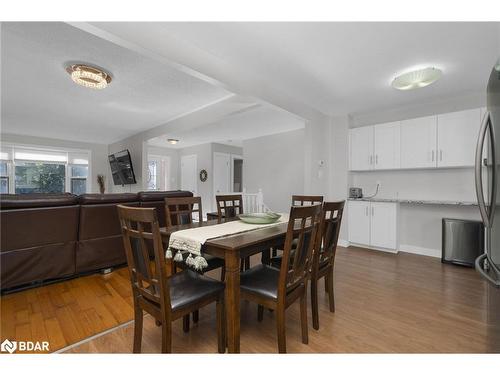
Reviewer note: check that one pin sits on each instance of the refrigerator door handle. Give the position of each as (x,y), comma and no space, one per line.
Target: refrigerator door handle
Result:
(479,268)
(477,170)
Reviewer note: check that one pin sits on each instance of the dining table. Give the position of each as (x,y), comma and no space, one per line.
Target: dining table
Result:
(232,249)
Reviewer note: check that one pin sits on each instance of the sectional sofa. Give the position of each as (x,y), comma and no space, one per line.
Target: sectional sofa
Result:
(48,237)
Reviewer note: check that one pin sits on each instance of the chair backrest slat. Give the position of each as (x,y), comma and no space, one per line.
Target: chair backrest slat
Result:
(180,210)
(304,225)
(331,220)
(306,200)
(229,205)
(149,279)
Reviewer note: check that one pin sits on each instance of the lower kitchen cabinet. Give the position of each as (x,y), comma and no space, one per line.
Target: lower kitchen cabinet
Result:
(373,224)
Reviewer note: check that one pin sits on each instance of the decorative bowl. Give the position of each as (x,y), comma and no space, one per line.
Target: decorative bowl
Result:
(260,218)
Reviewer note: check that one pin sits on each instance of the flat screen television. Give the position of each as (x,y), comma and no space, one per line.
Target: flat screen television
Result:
(121,168)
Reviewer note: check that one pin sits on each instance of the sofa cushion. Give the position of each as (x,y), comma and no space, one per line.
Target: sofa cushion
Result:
(16,201)
(108,198)
(153,196)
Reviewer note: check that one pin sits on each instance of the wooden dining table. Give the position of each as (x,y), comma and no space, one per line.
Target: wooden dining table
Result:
(233,248)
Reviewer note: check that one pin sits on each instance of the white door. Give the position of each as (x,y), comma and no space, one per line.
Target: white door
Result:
(189,176)
(359,222)
(418,142)
(386,145)
(222,173)
(383,229)
(361,148)
(457,136)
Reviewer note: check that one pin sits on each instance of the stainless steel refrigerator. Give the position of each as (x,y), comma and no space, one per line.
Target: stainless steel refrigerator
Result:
(487,171)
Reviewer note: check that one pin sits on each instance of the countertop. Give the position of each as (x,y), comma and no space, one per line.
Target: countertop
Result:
(415,201)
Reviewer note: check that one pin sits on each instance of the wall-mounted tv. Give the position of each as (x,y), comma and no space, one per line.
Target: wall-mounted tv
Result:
(121,168)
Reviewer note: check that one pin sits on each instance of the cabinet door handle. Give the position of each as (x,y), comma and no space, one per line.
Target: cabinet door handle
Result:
(371,159)
(441,155)
(376,159)
(373,210)
(432,155)
(366,210)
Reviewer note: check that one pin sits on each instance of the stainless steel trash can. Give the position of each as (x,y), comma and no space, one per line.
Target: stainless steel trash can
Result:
(462,241)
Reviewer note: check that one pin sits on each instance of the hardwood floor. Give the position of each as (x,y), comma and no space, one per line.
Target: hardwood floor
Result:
(385,303)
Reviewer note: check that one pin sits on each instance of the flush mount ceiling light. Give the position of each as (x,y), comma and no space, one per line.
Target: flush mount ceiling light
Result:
(172,141)
(416,79)
(88,76)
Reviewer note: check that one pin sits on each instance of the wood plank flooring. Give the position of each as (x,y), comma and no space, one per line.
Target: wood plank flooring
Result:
(385,304)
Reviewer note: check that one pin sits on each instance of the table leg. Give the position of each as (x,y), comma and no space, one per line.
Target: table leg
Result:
(232,260)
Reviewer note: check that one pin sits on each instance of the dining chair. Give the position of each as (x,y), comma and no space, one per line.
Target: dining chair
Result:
(297,200)
(229,206)
(178,211)
(324,255)
(278,289)
(306,200)
(165,298)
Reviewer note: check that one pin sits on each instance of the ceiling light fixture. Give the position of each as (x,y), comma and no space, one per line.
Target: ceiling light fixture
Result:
(172,141)
(416,79)
(89,76)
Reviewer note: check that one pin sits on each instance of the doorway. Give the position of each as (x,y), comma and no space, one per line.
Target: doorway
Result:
(237,173)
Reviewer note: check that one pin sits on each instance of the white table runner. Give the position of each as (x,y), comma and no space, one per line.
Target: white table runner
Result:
(191,240)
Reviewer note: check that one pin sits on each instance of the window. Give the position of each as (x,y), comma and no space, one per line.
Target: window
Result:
(39,177)
(78,178)
(152,175)
(4,177)
(25,170)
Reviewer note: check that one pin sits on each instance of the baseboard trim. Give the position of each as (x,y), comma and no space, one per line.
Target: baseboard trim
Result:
(368,247)
(343,243)
(435,253)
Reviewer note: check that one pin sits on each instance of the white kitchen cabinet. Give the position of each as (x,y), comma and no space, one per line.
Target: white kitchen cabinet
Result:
(373,224)
(456,138)
(361,148)
(418,142)
(383,225)
(386,141)
(359,222)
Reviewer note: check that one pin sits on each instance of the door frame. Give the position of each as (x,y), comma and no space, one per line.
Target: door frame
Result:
(213,172)
(231,181)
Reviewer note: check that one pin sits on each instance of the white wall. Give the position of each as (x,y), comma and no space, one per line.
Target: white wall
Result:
(99,155)
(275,164)
(338,165)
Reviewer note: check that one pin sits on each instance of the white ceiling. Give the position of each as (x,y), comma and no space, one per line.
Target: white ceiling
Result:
(334,68)
(233,130)
(39,98)
(346,68)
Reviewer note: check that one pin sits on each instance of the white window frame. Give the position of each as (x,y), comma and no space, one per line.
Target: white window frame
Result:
(11,162)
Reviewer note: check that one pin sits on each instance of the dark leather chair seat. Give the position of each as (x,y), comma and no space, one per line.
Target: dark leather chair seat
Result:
(262,280)
(189,287)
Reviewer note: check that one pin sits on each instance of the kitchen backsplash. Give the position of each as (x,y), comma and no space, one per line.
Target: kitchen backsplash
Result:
(427,184)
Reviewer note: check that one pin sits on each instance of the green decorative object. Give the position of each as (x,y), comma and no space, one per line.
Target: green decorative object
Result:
(260,218)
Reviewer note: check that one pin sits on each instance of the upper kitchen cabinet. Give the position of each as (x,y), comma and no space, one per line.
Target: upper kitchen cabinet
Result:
(457,136)
(361,148)
(418,142)
(386,146)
